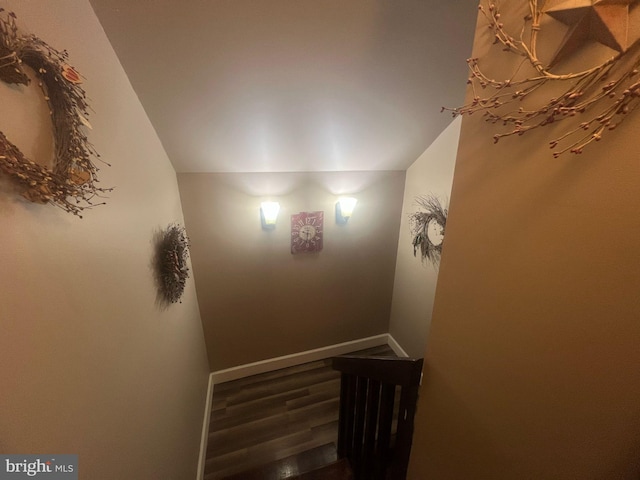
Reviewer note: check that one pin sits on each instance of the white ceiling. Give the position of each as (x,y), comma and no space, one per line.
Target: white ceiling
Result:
(293,85)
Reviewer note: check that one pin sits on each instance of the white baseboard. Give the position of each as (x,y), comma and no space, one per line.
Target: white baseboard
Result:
(277,363)
(395,346)
(205,430)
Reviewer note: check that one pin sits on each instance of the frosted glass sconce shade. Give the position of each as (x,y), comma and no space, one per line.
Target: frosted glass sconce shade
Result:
(344,208)
(269,214)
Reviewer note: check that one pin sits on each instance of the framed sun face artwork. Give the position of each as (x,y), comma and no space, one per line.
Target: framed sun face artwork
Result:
(306,232)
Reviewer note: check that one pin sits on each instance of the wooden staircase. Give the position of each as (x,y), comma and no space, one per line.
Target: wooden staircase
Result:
(378,397)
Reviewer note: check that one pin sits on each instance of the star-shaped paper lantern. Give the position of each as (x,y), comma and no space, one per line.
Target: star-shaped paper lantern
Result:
(610,22)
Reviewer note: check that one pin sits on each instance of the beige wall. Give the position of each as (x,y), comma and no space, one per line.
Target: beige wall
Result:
(90,363)
(415,281)
(533,364)
(259,301)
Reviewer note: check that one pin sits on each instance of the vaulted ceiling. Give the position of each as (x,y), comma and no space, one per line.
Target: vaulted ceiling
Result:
(293,85)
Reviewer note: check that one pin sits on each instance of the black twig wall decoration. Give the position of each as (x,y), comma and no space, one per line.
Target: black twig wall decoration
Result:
(172,272)
(427,228)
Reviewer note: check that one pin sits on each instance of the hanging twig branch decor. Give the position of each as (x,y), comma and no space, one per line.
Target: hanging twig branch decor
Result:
(172,271)
(70,183)
(602,95)
(427,228)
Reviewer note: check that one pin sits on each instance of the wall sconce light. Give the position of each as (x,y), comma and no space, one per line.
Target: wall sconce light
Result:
(269,214)
(344,209)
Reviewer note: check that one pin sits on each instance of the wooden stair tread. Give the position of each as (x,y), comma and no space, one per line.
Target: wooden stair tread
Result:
(293,466)
(340,470)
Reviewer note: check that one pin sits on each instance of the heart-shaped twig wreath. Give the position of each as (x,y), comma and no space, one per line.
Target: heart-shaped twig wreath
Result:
(70,183)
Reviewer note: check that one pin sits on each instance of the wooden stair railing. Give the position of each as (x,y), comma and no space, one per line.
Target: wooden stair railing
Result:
(367,404)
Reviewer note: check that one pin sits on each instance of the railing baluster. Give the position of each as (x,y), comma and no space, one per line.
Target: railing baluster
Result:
(370,429)
(385,421)
(358,430)
(404,431)
(347,415)
(367,402)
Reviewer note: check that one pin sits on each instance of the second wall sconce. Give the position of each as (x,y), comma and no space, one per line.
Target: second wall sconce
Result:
(269,214)
(344,209)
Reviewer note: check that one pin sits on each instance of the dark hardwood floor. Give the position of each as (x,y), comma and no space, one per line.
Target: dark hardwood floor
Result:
(273,416)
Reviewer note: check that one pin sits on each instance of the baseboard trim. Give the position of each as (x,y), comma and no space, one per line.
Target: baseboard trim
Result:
(286,361)
(395,346)
(205,429)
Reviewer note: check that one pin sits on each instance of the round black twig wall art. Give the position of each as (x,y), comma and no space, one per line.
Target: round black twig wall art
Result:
(70,183)
(427,228)
(171,263)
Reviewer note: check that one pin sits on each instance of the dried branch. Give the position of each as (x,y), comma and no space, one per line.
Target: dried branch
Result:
(71,182)
(606,104)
